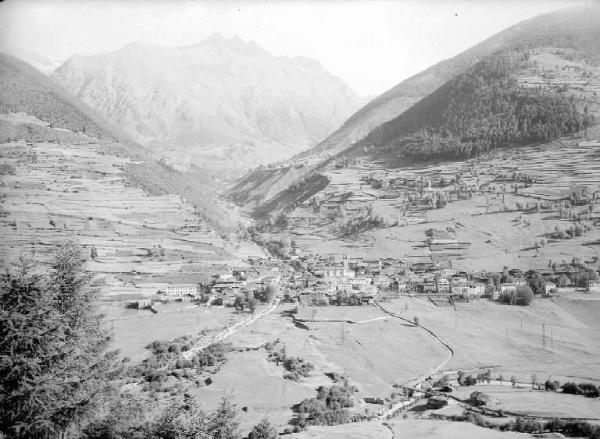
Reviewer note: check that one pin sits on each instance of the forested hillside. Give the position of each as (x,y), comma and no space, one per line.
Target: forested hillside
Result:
(578,29)
(482,109)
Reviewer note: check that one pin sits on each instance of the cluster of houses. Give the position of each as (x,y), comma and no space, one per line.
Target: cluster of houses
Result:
(331,280)
(327,280)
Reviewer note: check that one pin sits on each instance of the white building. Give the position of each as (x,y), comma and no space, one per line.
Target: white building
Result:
(182,289)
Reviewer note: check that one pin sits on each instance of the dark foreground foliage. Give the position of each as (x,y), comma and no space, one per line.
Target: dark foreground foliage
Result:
(54,364)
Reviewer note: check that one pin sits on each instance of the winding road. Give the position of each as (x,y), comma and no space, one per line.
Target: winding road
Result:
(392,411)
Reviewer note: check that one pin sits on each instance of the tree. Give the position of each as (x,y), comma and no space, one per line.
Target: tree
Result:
(239,303)
(54,367)
(533,380)
(223,423)
(505,277)
(263,430)
(536,282)
(252,304)
(270,293)
(524,295)
(180,421)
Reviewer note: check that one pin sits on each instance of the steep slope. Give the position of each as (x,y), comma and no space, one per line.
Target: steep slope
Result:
(64,175)
(568,29)
(485,108)
(26,90)
(219,96)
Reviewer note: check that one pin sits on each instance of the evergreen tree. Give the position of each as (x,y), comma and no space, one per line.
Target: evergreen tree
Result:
(54,367)
(263,430)
(223,423)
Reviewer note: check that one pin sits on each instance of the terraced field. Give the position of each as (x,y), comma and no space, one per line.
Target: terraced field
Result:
(76,188)
(494,226)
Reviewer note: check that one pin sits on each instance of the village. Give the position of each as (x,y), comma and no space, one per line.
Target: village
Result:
(340,280)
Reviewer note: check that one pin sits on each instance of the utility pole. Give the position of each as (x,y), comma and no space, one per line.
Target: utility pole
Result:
(543,335)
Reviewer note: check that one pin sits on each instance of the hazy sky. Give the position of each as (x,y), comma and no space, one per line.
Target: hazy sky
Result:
(372,45)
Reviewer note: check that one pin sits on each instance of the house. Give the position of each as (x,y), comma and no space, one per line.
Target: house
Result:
(478,289)
(382,281)
(461,289)
(143,303)
(593,287)
(443,285)
(423,267)
(446,272)
(182,289)
(508,288)
(367,300)
(343,284)
(428,286)
(222,286)
(359,283)
(333,271)
(402,286)
(550,288)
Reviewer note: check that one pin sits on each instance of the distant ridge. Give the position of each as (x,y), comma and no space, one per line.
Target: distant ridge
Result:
(567,28)
(25,89)
(226,96)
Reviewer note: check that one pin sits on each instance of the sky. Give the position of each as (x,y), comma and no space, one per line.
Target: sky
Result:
(372,45)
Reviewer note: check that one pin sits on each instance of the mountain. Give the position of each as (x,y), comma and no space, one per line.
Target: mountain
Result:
(222,99)
(67,174)
(27,91)
(267,187)
(43,63)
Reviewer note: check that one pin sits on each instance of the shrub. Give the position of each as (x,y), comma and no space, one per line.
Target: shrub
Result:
(590,390)
(572,389)
(524,295)
(551,385)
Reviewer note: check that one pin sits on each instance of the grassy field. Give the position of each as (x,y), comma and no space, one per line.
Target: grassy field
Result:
(536,402)
(363,430)
(257,385)
(67,186)
(133,330)
(430,429)
(494,225)
(374,355)
(509,338)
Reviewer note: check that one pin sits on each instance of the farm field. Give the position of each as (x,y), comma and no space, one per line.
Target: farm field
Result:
(486,334)
(257,387)
(74,187)
(535,402)
(363,430)
(134,329)
(354,349)
(494,226)
(430,429)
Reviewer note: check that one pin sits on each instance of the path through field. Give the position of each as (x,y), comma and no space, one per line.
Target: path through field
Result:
(396,407)
(230,331)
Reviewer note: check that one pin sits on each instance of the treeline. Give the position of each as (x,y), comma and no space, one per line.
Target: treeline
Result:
(479,111)
(330,407)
